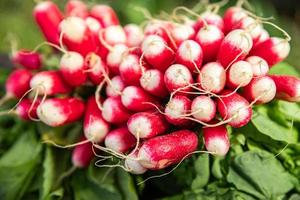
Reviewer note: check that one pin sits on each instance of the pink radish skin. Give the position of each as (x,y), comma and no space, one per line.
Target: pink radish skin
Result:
(72,68)
(130,70)
(94,27)
(216,140)
(76,8)
(178,76)
(152,81)
(181,33)
(157,28)
(134,35)
(147,124)
(263,37)
(82,154)
(235,107)
(211,19)
(114,35)
(94,126)
(17,83)
(235,46)
(190,54)
(50,83)
(48,17)
(212,77)
(134,98)
(133,165)
(179,105)
(259,66)
(116,86)
(114,112)
(57,112)
(23,109)
(27,59)
(114,58)
(233,17)
(261,90)
(162,151)
(157,53)
(203,108)
(288,87)
(255,28)
(239,74)
(105,15)
(120,140)
(210,38)
(273,50)
(97,67)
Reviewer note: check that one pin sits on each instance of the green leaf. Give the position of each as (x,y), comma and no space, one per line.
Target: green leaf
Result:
(290,110)
(126,185)
(202,172)
(49,173)
(284,68)
(260,174)
(216,167)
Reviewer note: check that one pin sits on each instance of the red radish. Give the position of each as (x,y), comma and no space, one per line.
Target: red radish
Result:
(114,35)
(235,46)
(82,154)
(57,112)
(216,140)
(162,151)
(211,19)
(94,26)
(115,57)
(157,28)
(77,36)
(97,68)
(23,109)
(76,8)
(130,69)
(157,53)
(115,87)
(48,17)
(259,66)
(49,82)
(134,35)
(210,38)
(134,98)
(190,54)
(133,165)
(114,112)
(273,50)
(72,68)
(239,74)
(261,90)
(120,140)
(27,59)
(288,87)
(263,37)
(152,81)
(147,124)
(232,17)
(234,108)
(94,126)
(105,15)
(180,33)
(253,26)
(17,83)
(212,77)
(178,76)
(177,108)
(203,108)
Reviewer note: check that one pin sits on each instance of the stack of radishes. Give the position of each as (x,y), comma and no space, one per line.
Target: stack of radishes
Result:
(155,89)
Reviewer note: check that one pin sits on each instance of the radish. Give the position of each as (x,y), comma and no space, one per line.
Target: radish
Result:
(94,126)
(115,56)
(120,140)
(235,46)
(134,35)
(175,110)
(152,81)
(203,108)
(57,112)
(158,28)
(130,69)
(190,54)
(234,108)
(210,18)
(239,74)
(288,87)
(27,59)
(263,37)
(25,110)
(133,165)
(114,112)
(49,82)
(94,27)
(273,50)
(105,15)
(210,38)
(162,151)
(72,68)
(259,66)
(212,77)
(232,17)
(134,98)
(82,154)
(181,32)
(97,68)
(76,8)
(113,35)
(261,90)
(216,140)
(48,17)
(147,124)
(178,77)
(115,87)
(255,28)
(157,53)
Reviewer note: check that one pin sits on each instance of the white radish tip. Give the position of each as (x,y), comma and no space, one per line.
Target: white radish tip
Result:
(113,142)
(213,77)
(116,86)
(115,56)
(240,38)
(281,47)
(265,89)
(43,82)
(115,35)
(153,45)
(182,32)
(203,108)
(139,126)
(128,94)
(107,110)
(175,108)
(43,6)
(178,74)
(150,79)
(134,166)
(240,73)
(74,28)
(209,34)
(51,114)
(96,130)
(218,146)
(259,66)
(72,61)
(93,24)
(189,50)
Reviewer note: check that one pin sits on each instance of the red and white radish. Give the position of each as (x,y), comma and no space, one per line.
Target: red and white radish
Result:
(158,28)
(27,59)
(239,74)
(25,110)
(263,37)
(259,66)
(130,69)
(203,108)
(17,83)
(233,17)
(113,35)
(182,32)
(105,15)
(115,56)
(134,35)
(94,26)
(76,8)
(82,154)
(97,68)
(253,26)
(210,18)
(115,87)
(133,165)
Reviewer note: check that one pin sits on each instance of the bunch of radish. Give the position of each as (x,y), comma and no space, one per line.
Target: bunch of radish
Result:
(157,90)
